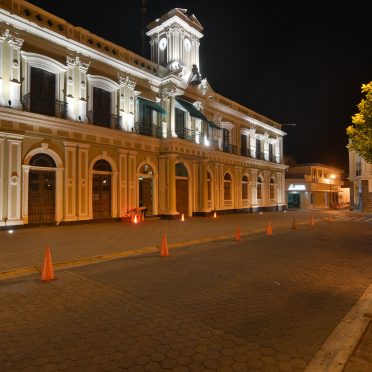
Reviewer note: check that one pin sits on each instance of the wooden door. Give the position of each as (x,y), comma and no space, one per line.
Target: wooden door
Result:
(145,194)
(101,196)
(41,196)
(101,107)
(182,199)
(42,92)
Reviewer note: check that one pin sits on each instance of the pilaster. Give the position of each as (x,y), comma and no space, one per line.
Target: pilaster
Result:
(2,186)
(123,182)
(132,197)
(14,179)
(70,181)
(83,184)
(204,185)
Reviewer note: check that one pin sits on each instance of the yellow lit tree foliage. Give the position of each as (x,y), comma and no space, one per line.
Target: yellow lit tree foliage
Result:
(360,132)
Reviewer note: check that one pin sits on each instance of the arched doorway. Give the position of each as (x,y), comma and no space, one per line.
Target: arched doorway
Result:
(145,188)
(182,189)
(42,189)
(101,192)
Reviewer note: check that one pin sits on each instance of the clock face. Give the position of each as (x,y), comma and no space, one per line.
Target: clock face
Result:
(162,43)
(187,44)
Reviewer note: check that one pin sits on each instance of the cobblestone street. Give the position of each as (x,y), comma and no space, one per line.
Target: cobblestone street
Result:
(267,303)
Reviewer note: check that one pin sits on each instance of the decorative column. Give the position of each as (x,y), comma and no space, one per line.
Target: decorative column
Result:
(25,183)
(266,190)
(83,184)
(163,185)
(204,185)
(254,187)
(123,182)
(126,101)
(172,184)
(238,187)
(10,92)
(81,88)
(196,186)
(132,179)
(70,88)
(2,186)
(70,181)
(221,185)
(252,142)
(266,146)
(14,143)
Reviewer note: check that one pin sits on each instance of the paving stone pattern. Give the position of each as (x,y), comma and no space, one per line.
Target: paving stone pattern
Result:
(262,304)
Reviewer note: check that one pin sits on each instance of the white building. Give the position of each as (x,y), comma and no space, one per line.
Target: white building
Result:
(90,130)
(360,177)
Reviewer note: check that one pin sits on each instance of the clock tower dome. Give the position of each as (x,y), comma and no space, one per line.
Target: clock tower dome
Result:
(175,42)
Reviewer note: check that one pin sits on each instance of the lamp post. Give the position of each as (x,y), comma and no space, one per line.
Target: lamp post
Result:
(331,177)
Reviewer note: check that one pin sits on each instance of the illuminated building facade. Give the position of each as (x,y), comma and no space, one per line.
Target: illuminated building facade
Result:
(360,177)
(90,130)
(315,186)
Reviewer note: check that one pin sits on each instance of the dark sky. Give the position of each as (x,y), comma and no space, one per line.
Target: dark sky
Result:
(294,61)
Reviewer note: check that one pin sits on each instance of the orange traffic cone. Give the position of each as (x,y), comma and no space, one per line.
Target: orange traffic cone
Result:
(312,222)
(215,214)
(294,227)
(237,234)
(142,217)
(182,217)
(47,272)
(135,219)
(164,247)
(269,230)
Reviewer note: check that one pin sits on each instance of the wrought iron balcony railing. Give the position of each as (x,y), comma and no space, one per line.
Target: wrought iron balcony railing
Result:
(231,149)
(54,108)
(145,130)
(104,120)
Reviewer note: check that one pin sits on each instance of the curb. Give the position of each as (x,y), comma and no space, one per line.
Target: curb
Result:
(340,345)
(132,252)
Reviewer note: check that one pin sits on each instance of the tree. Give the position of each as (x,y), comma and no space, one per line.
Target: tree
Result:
(360,132)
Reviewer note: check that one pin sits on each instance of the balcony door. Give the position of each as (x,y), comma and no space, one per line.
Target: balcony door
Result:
(42,92)
(101,107)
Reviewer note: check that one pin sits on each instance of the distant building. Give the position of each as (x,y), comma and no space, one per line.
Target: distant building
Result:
(90,130)
(314,186)
(360,177)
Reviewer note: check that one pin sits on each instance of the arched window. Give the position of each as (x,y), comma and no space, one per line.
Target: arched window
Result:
(102,165)
(227,186)
(272,188)
(259,188)
(244,187)
(146,169)
(181,170)
(42,160)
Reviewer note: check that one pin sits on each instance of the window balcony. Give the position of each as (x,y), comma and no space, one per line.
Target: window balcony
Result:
(54,108)
(104,120)
(146,130)
(231,149)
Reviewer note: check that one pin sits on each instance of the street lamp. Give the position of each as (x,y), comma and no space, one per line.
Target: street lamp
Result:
(331,177)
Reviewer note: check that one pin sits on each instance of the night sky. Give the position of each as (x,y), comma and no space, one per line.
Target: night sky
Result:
(299,62)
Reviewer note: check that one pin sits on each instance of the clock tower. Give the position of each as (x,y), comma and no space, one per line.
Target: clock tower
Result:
(175,42)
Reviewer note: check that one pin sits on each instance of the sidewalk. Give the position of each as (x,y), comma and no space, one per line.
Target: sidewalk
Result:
(348,348)
(23,250)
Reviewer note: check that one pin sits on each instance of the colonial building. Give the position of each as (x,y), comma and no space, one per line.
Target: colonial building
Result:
(90,130)
(360,177)
(315,186)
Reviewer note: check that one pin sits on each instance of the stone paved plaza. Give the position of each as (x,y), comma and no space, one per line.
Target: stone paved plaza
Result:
(266,303)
